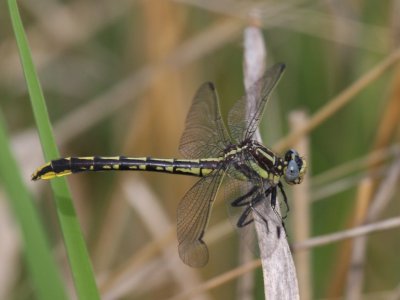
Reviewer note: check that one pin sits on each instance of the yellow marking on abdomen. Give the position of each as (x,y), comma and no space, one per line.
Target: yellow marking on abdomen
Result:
(136,158)
(195,171)
(51,175)
(109,157)
(206,171)
(170,160)
(83,157)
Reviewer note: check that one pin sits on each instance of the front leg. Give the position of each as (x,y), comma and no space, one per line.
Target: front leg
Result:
(242,219)
(244,200)
(273,205)
(285,200)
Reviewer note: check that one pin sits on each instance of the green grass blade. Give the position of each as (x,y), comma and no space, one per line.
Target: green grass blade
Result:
(76,249)
(44,274)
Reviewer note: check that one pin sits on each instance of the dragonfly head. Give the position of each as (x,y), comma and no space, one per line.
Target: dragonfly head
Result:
(295,167)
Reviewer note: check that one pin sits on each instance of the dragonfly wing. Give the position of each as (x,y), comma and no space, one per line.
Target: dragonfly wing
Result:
(245,115)
(205,134)
(192,218)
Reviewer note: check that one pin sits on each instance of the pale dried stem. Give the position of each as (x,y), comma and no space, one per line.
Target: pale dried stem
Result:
(378,204)
(125,91)
(386,130)
(337,179)
(279,272)
(339,101)
(10,250)
(350,251)
(341,185)
(254,59)
(395,295)
(294,16)
(148,253)
(151,249)
(214,37)
(347,234)
(63,27)
(157,223)
(300,204)
(301,246)
(219,280)
(384,193)
(375,157)
(140,258)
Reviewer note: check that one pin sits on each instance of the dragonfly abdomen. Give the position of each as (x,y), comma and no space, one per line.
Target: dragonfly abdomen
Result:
(69,165)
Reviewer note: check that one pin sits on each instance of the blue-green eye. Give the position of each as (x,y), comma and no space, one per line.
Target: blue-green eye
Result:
(292,171)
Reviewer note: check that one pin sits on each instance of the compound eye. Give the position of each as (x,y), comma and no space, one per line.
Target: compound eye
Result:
(292,172)
(291,155)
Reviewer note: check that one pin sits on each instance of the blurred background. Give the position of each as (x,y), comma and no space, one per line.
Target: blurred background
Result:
(119,77)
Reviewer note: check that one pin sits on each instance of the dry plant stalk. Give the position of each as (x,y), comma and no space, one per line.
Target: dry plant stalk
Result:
(377,203)
(301,246)
(335,104)
(301,210)
(280,281)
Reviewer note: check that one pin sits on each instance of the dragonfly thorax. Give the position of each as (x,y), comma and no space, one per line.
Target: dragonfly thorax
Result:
(270,166)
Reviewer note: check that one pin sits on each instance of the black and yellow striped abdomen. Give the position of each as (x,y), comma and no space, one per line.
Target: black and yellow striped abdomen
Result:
(69,165)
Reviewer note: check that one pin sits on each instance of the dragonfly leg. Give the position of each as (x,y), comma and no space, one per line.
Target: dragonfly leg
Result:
(244,201)
(273,193)
(241,222)
(284,199)
(273,199)
(241,200)
(273,204)
(253,208)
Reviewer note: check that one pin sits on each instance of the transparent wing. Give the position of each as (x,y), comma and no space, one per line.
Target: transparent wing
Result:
(192,219)
(205,134)
(239,194)
(245,115)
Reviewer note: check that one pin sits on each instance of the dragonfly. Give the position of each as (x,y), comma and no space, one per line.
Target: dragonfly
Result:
(220,155)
